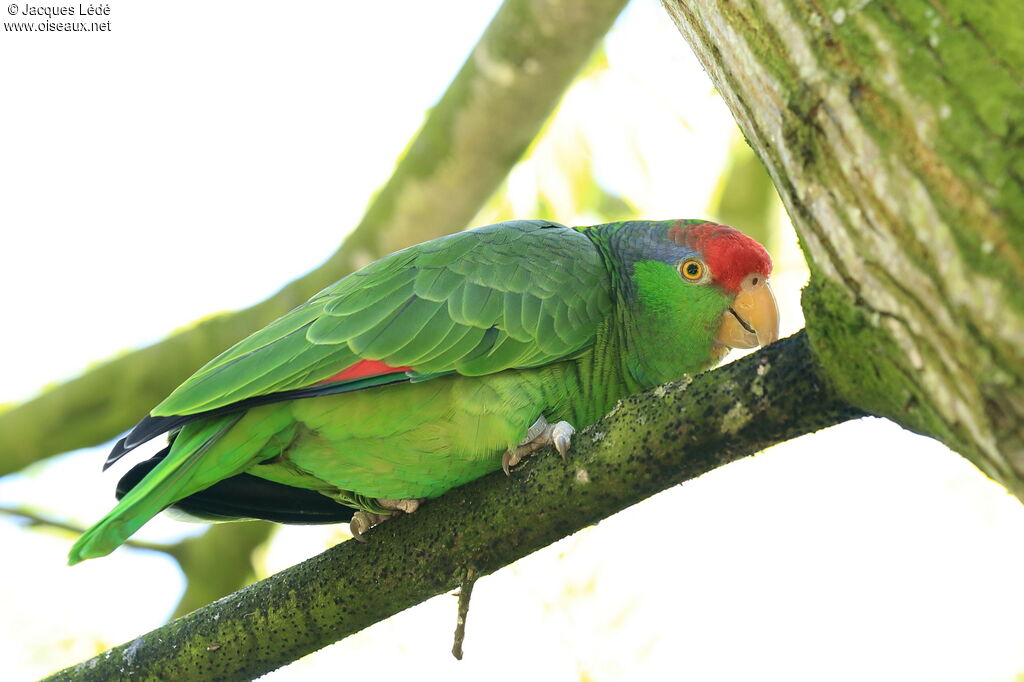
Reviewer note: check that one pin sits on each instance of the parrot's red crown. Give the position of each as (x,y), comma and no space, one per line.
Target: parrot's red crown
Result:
(730,254)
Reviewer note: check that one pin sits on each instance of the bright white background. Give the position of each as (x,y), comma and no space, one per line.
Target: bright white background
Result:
(200,155)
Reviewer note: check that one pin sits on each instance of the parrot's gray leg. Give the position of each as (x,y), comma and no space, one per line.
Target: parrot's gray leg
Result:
(538,435)
(407,505)
(363,521)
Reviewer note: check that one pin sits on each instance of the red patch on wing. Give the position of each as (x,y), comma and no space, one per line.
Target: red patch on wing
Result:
(363,368)
(730,254)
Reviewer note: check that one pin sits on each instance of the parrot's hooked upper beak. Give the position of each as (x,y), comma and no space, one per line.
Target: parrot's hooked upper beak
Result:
(753,318)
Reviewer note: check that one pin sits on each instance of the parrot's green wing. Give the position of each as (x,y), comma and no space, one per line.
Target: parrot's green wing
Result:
(516,294)
(519,294)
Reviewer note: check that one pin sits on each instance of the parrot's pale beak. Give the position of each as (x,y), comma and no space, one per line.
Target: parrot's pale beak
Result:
(753,318)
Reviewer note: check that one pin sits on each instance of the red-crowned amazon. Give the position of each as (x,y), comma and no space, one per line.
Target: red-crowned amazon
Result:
(438,364)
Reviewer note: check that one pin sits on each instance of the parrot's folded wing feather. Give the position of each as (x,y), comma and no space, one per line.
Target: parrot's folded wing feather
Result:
(150,427)
(474,303)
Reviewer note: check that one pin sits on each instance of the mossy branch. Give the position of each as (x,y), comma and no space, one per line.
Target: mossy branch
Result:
(648,443)
(474,135)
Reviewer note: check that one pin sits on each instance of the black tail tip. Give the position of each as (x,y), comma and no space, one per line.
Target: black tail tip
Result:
(119,450)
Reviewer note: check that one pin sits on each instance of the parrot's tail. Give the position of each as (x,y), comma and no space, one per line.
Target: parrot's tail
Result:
(244,497)
(174,478)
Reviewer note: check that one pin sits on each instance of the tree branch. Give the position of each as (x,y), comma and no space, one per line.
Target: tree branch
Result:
(648,443)
(474,135)
(36,520)
(215,563)
(465,594)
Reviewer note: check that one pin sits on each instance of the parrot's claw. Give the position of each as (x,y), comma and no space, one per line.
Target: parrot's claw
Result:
(509,460)
(363,521)
(561,436)
(538,435)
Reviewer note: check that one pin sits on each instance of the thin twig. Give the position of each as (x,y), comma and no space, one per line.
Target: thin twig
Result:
(33,519)
(465,592)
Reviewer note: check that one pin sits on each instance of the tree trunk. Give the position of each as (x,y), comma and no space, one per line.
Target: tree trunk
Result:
(894,134)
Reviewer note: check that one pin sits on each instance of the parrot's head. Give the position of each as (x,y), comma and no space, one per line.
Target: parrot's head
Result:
(698,287)
(723,257)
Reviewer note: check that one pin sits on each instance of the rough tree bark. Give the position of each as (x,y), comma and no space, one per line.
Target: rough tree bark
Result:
(894,134)
(487,118)
(648,443)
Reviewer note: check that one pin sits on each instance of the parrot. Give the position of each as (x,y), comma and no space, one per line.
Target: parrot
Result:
(439,364)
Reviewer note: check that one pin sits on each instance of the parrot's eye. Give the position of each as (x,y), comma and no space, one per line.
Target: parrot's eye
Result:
(692,269)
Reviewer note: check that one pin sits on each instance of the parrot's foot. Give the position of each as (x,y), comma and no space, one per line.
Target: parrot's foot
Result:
(363,521)
(538,435)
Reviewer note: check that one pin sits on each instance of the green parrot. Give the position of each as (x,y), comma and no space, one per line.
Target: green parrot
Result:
(438,364)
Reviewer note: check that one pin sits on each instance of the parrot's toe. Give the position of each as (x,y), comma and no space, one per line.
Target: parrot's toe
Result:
(561,436)
(363,521)
(510,459)
(539,434)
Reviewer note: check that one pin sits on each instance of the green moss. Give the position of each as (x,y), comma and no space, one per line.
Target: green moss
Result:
(866,368)
(863,361)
